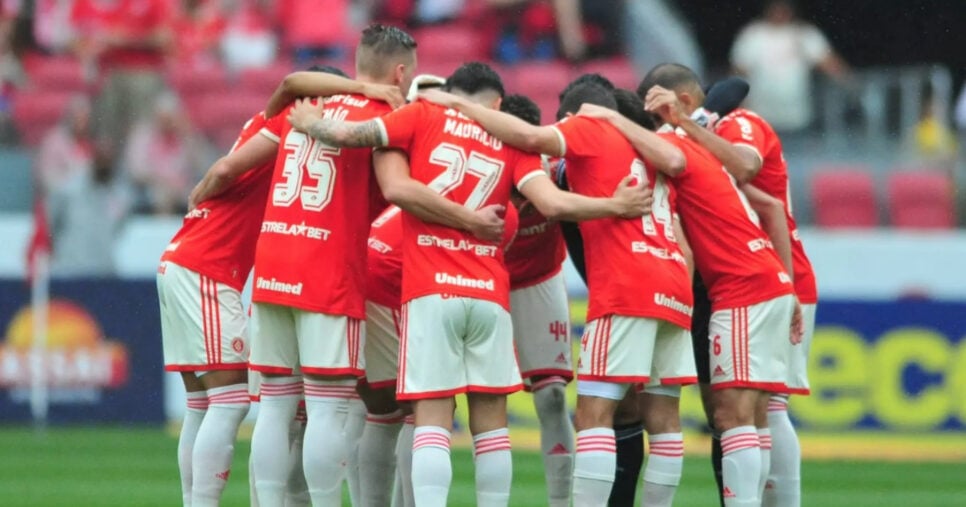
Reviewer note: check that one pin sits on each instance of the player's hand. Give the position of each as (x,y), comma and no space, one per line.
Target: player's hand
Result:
(489,224)
(665,103)
(389,94)
(303,114)
(798,325)
(441,98)
(599,112)
(633,199)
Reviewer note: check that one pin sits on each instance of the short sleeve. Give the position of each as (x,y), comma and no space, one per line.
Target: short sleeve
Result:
(527,167)
(814,45)
(740,131)
(275,125)
(579,136)
(399,126)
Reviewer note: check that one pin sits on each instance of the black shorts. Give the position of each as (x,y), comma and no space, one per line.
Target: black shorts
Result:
(700,321)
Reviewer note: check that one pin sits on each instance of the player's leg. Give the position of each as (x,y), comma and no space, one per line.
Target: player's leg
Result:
(673,366)
(329,351)
(228,399)
(432,331)
(700,321)
(377,459)
(275,356)
(492,373)
(403,490)
(615,352)
(297,491)
(355,425)
(541,330)
(629,432)
(194,415)
(784,480)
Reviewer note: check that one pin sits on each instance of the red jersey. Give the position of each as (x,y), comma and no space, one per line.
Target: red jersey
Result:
(312,250)
(454,156)
(217,238)
(634,266)
(745,128)
(736,260)
(538,252)
(132,18)
(384,280)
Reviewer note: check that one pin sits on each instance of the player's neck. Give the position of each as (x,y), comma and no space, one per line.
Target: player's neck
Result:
(366,78)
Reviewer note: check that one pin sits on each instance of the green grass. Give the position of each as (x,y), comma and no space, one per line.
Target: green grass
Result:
(137,467)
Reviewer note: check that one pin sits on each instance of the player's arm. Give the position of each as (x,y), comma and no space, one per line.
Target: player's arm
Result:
(628,201)
(257,151)
(505,127)
(665,157)
(771,212)
(741,161)
(316,84)
(307,117)
(683,244)
(399,188)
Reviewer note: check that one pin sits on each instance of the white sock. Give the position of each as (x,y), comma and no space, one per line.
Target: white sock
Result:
(296,490)
(325,450)
(355,424)
(252,495)
(783,488)
(595,465)
(377,458)
(740,466)
(494,468)
(194,415)
(663,471)
(215,444)
(279,400)
(764,441)
(556,439)
(432,470)
(403,493)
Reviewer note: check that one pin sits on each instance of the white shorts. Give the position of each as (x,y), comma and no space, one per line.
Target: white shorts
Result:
(202,322)
(541,329)
(454,345)
(382,345)
(798,361)
(635,350)
(750,346)
(285,339)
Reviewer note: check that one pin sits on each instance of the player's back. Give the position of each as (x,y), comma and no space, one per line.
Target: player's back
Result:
(312,248)
(457,158)
(538,251)
(634,266)
(735,258)
(217,238)
(384,261)
(746,128)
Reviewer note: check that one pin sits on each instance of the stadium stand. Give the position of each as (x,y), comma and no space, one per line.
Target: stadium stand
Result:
(921,200)
(844,196)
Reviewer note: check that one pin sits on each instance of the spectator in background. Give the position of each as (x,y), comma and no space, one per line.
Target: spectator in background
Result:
(128,40)
(53,29)
(66,153)
(582,29)
(11,73)
(199,25)
(85,215)
(249,39)
(777,54)
(164,156)
(310,35)
(931,143)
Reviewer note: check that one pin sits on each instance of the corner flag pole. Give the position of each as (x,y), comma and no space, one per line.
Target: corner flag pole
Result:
(40,299)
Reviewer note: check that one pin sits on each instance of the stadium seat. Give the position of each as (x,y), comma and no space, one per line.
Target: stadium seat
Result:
(188,81)
(619,70)
(844,197)
(263,80)
(540,81)
(62,74)
(921,200)
(451,43)
(35,112)
(213,114)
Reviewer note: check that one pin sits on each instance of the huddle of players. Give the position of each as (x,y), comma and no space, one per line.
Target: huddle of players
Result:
(434,290)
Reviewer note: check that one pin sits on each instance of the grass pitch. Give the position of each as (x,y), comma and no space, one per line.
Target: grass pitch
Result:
(137,467)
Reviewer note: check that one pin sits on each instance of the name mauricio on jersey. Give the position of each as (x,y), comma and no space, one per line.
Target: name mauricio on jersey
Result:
(301,229)
(456,246)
